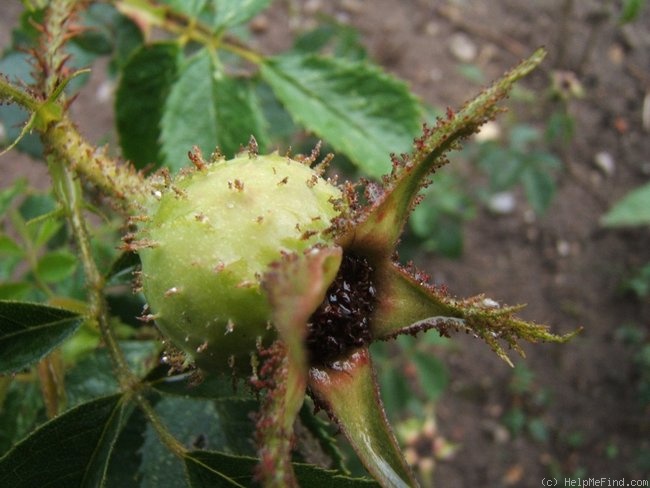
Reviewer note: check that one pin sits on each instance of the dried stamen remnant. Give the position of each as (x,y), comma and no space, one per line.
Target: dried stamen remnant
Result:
(342,320)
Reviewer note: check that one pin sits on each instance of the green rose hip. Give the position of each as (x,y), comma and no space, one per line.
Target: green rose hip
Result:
(211,237)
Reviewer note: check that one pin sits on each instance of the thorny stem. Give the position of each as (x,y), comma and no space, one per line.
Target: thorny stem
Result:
(188,29)
(69,191)
(390,214)
(52,41)
(68,151)
(11,93)
(166,437)
(121,181)
(128,187)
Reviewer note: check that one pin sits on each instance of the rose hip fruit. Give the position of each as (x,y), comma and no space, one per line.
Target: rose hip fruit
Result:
(211,237)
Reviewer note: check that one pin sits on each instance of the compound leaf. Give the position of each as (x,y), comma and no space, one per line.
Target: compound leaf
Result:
(29,331)
(139,100)
(362,112)
(209,468)
(632,210)
(234,12)
(71,450)
(206,108)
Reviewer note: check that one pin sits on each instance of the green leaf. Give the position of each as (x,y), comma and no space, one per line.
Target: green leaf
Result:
(127,453)
(632,210)
(140,98)
(122,267)
(71,450)
(107,31)
(349,394)
(216,387)
(631,10)
(233,404)
(56,266)
(7,195)
(514,420)
(29,331)
(208,469)
(234,12)
(195,423)
(560,127)
(361,111)
(37,205)
(191,8)
(639,284)
(540,188)
(14,291)
(22,409)
(9,247)
(44,228)
(206,108)
(93,376)
(395,392)
(432,374)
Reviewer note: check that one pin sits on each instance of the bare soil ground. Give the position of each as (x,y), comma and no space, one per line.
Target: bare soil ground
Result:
(564,266)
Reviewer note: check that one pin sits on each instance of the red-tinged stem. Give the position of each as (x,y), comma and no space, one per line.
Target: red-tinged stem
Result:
(378,230)
(410,305)
(348,391)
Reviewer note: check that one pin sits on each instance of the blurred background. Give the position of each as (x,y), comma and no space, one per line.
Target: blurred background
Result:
(518,215)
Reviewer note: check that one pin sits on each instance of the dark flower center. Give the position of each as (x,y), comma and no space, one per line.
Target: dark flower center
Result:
(342,321)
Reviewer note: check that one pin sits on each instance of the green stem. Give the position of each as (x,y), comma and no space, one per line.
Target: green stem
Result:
(164,435)
(69,153)
(378,230)
(187,28)
(68,191)
(11,93)
(121,181)
(30,253)
(58,15)
(243,51)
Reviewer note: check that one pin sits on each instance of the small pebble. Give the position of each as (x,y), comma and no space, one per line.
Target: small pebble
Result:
(462,48)
(491,131)
(105,91)
(645,113)
(502,203)
(563,248)
(259,24)
(604,161)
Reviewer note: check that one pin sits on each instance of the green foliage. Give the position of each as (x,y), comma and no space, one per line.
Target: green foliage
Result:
(30,331)
(438,221)
(525,416)
(208,108)
(635,338)
(145,83)
(72,449)
(631,10)
(171,98)
(639,283)
(632,210)
(94,399)
(329,97)
(521,161)
(427,376)
(171,95)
